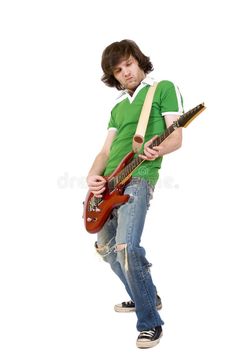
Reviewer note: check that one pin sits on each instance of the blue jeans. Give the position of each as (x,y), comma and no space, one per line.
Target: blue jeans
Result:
(124,228)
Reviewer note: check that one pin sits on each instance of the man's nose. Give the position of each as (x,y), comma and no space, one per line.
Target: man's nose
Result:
(126,72)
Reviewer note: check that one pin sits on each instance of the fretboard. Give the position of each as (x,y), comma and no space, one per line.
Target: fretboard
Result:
(137,161)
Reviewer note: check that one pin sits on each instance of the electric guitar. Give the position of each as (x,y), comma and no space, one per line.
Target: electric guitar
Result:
(98,209)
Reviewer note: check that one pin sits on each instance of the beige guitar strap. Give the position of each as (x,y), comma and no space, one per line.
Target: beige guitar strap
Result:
(138,138)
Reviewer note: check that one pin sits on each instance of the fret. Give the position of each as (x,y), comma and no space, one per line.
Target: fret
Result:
(111,185)
(116,181)
(164,135)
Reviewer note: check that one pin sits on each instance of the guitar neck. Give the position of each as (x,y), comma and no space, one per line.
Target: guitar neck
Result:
(137,161)
(159,139)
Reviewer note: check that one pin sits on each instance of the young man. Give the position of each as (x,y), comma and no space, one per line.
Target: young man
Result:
(118,242)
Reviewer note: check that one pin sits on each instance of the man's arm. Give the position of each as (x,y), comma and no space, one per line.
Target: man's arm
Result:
(174,140)
(171,143)
(94,179)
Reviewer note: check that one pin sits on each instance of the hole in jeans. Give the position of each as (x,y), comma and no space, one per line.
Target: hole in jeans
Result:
(120,247)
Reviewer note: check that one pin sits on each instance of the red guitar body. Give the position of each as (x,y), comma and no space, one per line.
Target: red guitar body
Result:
(97,210)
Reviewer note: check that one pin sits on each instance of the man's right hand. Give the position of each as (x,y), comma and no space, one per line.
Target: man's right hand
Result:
(96,185)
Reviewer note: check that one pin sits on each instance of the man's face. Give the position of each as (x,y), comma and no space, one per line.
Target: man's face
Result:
(128,73)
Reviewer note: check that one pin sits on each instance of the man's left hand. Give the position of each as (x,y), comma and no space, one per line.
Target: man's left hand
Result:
(153,153)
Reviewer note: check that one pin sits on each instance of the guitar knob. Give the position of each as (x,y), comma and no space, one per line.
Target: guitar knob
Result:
(89,219)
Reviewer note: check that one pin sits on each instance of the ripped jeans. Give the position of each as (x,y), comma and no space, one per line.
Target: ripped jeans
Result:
(119,244)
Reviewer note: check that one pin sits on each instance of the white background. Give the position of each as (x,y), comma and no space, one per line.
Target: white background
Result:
(56,294)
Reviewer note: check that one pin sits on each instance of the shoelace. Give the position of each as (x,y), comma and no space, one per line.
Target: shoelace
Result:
(148,333)
(130,302)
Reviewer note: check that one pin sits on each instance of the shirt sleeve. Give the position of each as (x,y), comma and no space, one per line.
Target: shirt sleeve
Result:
(171,99)
(112,124)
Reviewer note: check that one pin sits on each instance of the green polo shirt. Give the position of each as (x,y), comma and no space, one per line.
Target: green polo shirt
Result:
(124,118)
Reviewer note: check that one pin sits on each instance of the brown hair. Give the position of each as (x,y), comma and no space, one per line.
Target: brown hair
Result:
(114,53)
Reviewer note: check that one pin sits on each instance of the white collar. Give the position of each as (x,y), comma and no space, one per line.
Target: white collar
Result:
(148,80)
(125,94)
